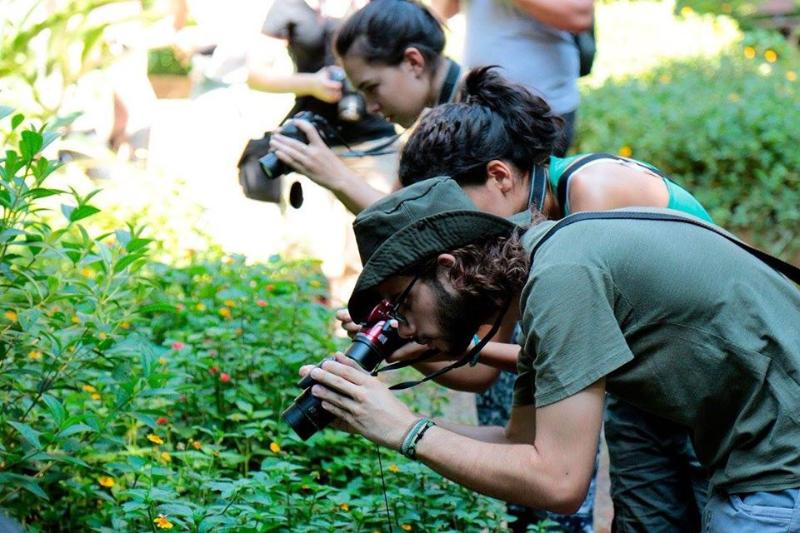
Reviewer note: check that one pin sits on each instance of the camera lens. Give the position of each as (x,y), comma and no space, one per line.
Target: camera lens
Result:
(273,167)
(306,415)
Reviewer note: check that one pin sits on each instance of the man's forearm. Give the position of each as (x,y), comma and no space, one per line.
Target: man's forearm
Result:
(512,472)
(569,15)
(300,84)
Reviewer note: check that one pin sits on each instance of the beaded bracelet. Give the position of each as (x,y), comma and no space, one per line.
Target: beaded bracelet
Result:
(409,446)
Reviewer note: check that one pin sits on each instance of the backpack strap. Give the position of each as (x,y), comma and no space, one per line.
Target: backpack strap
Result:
(788,270)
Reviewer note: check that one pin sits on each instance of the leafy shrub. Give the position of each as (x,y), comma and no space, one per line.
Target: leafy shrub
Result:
(138,396)
(722,128)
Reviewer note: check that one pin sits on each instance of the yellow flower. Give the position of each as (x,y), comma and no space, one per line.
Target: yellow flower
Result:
(230,303)
(225,312)
(125,324)
(76,319)
(200,306)
(166,457)
(274,447)
(106,482)
(196,444)
(406,527)
(393,468)
(102,336)
(315,283)
(791,75)
(89,388)
(162,361)
(749,52)
(34,355)
(87,272)
(625,151)
(11,315)
(155,439)
(771,56)
(686,11)
(162,522)
(344,507)
(96,396)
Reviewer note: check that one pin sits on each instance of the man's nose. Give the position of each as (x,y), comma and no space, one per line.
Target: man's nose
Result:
(406,330)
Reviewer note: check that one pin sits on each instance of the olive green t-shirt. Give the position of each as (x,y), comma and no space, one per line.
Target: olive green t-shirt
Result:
(682,323)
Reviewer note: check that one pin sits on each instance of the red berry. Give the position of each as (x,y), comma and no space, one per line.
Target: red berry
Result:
(224,377)
(162,420)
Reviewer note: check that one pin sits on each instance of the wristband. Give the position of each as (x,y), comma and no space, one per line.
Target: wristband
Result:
(409,446)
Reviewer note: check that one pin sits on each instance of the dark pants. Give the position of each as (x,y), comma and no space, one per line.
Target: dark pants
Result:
(657,483)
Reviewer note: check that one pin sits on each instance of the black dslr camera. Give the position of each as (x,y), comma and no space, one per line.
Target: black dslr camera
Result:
(376,341)
(274,167)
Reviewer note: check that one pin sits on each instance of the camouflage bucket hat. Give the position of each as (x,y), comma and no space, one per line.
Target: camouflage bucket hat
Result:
(412,225)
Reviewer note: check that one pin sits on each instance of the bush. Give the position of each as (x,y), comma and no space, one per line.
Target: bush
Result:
(164,61)
(137,396)
(722,128)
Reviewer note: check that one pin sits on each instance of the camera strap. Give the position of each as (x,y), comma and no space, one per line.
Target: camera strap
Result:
(538,186)
(468,357)
(448,92)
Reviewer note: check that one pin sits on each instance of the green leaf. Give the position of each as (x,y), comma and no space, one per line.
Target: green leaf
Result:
(16,120)
(158,308)
(125,261)
(30,144)
(43,193)
(136,244)
(81,212)
(28,433)
(73,429)
(34,488)
(57,410)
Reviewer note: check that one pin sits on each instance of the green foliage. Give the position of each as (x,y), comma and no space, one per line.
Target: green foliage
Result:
(134,394)
(722,128)
(164,61)
(746,12)
(46,48)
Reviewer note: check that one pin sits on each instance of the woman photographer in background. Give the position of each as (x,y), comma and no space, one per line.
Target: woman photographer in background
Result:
(504,161)
(392,51)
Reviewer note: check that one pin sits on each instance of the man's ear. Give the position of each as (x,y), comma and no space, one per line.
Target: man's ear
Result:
(500,175)
(446,261)
(415,60)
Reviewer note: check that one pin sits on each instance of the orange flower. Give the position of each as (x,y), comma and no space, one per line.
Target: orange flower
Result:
(225,312)
(274,447)
(406,527)
(106,481)
(749,52)
(178,345)
(229,303)
(196,444)
(771,56)
(87,272)
(162,523)
(34,355)
(162,420)
(625,151)
(102,336)
(393,468)
(89,388)
(344,507)
(166,457)
(11,315)
(125,324)
(155,439)
(96,396)
(263,303)
(791,75)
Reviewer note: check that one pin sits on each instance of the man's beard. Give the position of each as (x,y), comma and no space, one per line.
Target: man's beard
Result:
(459,317)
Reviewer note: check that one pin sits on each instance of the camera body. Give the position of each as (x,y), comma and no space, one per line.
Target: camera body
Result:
(351,107)
(274,167)
(376,341)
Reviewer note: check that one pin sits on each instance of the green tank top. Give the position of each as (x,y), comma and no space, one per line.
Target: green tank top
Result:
(679,198)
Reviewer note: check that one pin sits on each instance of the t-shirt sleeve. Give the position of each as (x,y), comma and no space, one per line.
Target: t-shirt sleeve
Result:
(285,15)
(571,336)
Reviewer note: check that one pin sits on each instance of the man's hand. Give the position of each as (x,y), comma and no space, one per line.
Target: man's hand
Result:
(362,402)
(343,316)
(314,159)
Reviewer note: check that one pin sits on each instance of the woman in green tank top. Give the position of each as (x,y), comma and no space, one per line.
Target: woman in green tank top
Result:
(497,142)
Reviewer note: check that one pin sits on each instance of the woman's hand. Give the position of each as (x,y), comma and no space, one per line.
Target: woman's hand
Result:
(322,87)
(363,403)
(314,159)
